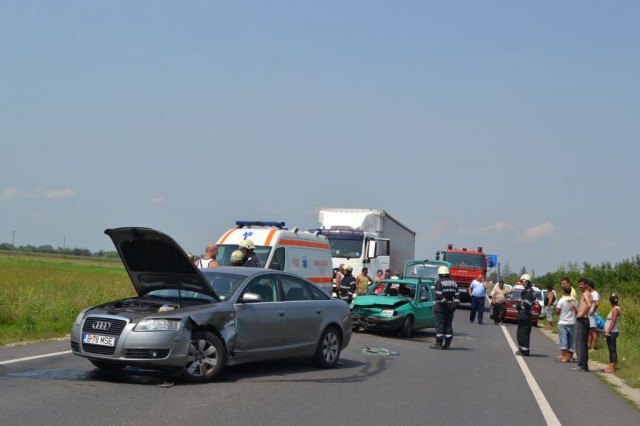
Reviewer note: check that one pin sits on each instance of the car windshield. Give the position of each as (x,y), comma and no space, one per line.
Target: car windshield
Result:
(392,288)
(225,285)
(171,293)
(515,294)
(465,260)
(225,250)
(423,270)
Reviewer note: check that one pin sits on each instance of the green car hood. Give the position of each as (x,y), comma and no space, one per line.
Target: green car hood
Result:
(379,301)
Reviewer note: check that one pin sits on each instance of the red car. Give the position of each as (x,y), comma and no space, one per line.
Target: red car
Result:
(513,301)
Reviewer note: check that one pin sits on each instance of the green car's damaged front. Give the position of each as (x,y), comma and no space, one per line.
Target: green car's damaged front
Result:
(400,305)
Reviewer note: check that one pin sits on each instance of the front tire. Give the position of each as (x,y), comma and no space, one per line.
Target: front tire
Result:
(206,359)
(407,326)
(328,351)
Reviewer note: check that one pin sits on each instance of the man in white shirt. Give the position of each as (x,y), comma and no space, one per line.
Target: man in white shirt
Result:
(566,311)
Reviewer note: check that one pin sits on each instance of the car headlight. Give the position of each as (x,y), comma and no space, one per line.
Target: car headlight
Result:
(80,316)
(158,324)
(388,313)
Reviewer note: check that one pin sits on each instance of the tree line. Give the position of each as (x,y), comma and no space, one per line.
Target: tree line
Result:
(49,249)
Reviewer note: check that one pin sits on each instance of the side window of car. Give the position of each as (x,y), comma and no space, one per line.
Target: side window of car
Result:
(265,287)
(294,289)
(424,294)
(277,262)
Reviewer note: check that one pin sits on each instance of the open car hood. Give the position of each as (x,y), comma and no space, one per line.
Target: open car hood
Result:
(368,301)
(154,261)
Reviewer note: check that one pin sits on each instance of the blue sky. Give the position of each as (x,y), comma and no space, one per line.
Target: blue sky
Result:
(508,124)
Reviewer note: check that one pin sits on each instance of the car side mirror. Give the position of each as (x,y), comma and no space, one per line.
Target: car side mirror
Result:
(251,298)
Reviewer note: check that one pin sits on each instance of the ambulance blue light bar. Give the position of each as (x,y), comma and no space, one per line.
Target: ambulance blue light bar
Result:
(250,223)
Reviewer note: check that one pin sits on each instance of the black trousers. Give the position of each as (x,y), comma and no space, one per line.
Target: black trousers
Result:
(611,344)
(499,311)
(477,305)
(444,327)
(582,343)
(524,332)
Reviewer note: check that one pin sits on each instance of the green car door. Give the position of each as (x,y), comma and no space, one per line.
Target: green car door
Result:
(424,307)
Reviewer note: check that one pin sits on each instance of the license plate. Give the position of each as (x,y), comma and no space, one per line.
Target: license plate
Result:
(96,339)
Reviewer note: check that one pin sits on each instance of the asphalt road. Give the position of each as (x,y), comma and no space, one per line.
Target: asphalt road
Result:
(479,381)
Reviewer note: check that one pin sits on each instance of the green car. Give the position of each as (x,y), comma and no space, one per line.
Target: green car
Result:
(400,305)
(395,305)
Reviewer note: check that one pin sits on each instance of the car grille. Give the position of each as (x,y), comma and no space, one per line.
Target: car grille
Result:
(116,327)
(146,353)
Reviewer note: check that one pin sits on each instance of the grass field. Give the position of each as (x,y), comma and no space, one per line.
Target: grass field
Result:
(40,296)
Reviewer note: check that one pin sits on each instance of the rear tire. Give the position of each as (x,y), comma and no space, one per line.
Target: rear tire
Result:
(328,350)
(206,359)
(407,326)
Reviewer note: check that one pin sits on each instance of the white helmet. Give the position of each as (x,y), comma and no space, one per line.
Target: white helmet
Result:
(247,244)
(526,277)
(443,270)
(347,267)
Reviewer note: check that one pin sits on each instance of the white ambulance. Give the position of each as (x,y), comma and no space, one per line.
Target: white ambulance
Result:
(299,252)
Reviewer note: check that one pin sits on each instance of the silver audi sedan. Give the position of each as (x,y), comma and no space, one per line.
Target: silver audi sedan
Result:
(198,321)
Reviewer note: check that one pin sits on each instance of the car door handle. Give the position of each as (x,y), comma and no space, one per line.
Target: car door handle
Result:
(281,313)
(319,311)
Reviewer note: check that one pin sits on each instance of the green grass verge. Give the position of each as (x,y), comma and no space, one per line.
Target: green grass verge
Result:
(40,296)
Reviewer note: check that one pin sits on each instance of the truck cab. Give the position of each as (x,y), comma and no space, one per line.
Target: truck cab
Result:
(466,266)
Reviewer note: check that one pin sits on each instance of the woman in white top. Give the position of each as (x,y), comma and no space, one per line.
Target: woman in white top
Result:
(611,332)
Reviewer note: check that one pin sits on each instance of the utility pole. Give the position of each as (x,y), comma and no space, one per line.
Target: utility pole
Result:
(13,238)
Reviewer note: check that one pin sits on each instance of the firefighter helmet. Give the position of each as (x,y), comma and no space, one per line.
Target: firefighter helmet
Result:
(347,267)
(526,277)
(237,256)
(443,270)
(247,244)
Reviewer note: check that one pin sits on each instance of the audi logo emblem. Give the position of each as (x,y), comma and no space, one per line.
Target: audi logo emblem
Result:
(101,325)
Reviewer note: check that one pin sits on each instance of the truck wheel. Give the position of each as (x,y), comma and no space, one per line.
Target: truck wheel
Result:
(407,326)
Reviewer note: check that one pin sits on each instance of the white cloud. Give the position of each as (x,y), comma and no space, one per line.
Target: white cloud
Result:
(13,193)
(57,194)
(434,233)
(159,200)
(539,231)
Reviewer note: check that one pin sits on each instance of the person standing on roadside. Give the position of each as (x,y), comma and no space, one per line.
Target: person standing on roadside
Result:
(611,333)
(550,306)
(338,280)
(525,318)
(593,317)
(566,283)
(478,293)
(447,300)
(566,310)
(362,282)
(209,258)
(237,258)
(582,327)
(498,302)
(379,276)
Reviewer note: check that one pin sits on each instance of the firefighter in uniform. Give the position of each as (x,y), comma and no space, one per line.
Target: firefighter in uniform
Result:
(525,318)
(447,300)
(250,258)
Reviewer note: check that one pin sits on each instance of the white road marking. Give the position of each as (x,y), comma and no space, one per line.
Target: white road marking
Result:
(11,361)
(546,409)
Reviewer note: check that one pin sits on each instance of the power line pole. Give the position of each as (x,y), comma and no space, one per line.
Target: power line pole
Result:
(13,238)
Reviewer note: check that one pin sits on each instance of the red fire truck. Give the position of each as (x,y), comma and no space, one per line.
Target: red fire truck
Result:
(466,266)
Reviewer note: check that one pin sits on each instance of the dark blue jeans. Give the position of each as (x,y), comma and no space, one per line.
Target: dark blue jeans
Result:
(477,305)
